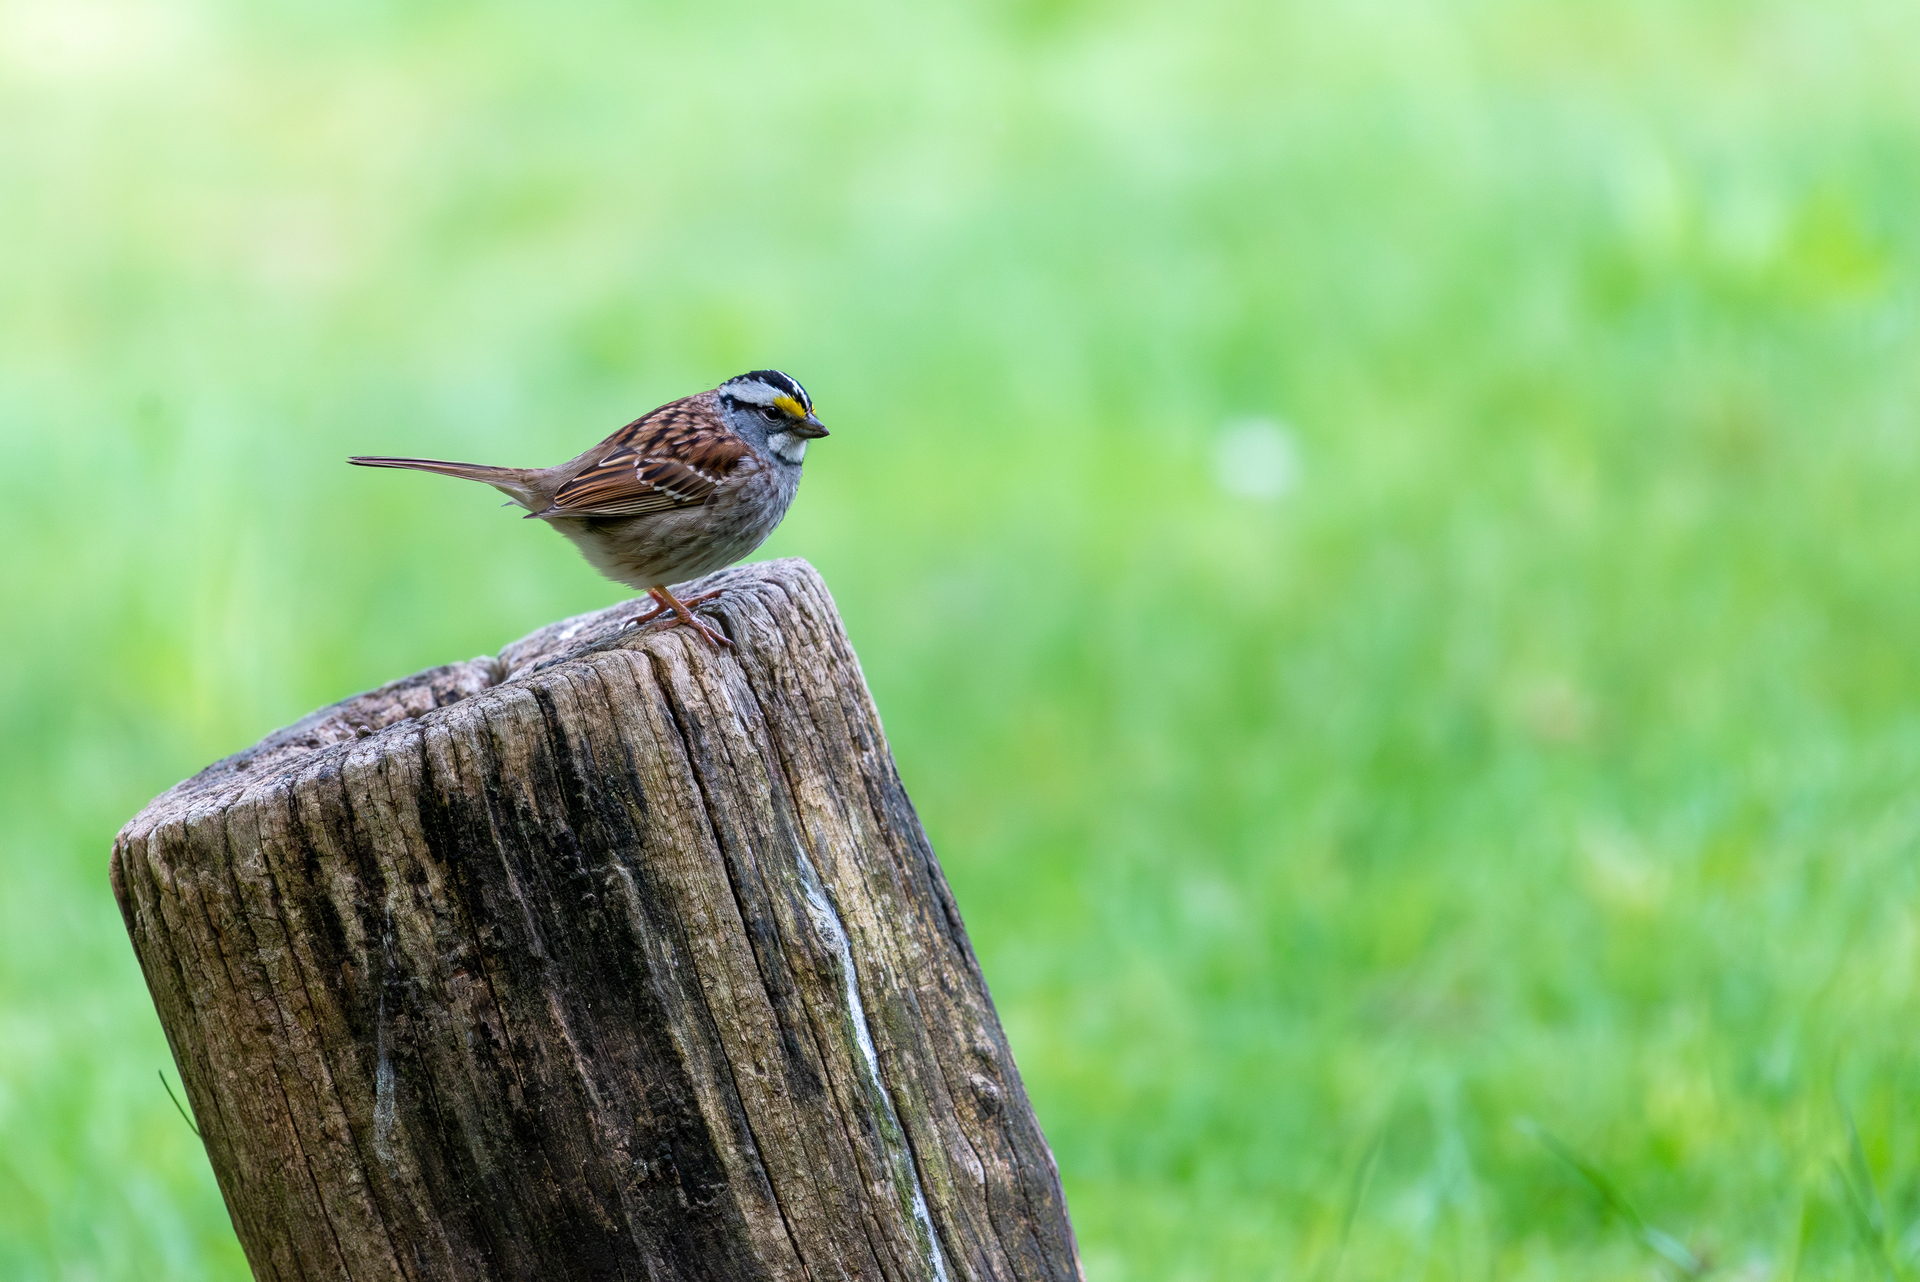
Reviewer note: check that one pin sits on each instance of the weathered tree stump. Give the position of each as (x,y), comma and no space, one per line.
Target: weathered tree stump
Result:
(612,957)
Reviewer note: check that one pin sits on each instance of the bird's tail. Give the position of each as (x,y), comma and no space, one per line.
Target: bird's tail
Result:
(510,481)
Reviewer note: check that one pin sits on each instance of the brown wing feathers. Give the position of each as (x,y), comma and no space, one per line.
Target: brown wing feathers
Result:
(672,458)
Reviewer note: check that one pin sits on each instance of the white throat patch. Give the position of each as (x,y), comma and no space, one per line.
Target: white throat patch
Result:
(788,447)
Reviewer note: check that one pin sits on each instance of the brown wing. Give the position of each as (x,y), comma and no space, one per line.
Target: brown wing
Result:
(674,457)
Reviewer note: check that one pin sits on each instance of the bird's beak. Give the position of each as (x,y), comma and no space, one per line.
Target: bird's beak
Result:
(809,428)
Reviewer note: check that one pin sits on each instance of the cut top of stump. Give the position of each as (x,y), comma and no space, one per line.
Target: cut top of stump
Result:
(781,608)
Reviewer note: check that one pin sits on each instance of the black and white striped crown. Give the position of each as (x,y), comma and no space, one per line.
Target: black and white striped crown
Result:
(766,387)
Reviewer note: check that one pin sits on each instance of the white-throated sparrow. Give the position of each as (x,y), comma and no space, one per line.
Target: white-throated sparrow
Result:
(683,491)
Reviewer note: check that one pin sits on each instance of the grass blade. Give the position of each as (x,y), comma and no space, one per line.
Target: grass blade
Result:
(184,1115)
(1869,1213)
(1665,1245)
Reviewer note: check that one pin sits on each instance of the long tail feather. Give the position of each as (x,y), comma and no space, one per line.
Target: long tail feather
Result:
(511,481)
(469,471)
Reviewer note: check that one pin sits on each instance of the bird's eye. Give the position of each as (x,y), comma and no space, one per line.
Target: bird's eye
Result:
(771,413)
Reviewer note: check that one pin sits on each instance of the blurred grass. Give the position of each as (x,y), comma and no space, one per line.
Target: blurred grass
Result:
(1542,760)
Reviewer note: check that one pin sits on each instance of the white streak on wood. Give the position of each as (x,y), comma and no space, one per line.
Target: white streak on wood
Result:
(826,919)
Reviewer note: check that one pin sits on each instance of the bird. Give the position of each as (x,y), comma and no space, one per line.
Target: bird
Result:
(682,491)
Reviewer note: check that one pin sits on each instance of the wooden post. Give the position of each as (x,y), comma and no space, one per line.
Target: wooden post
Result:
(612,957)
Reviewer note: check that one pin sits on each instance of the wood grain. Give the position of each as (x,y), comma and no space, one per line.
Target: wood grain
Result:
(610,957)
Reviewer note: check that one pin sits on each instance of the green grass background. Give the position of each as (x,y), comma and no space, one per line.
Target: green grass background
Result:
(1540,767)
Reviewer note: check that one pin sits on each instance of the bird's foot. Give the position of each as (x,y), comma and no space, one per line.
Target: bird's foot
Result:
(680,614)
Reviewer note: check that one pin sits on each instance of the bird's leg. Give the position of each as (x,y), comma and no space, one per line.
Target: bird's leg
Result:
(682,611)
(648,616)
(661,606)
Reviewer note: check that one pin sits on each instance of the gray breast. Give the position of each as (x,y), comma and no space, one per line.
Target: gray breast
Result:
(685,543)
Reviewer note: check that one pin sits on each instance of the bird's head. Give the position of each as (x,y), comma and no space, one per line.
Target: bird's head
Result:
(768,406)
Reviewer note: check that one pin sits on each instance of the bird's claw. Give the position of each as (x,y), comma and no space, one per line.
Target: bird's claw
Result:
(680,614)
